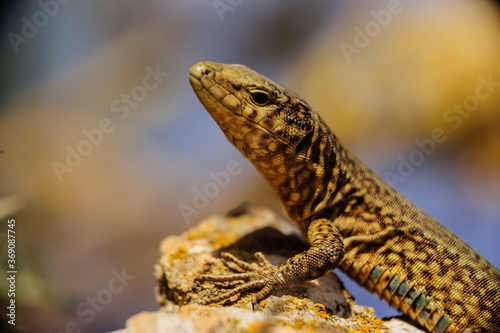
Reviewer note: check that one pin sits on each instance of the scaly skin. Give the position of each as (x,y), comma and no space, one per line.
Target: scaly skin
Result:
(351,217)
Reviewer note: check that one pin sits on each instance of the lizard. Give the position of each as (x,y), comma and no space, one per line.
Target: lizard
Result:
(350,217)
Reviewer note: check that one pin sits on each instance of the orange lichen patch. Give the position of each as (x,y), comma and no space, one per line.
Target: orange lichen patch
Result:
(311,325)
(224,238)
(211,231)
(259,326)
(321,311)
(222,231)
(367,324)
(181,253)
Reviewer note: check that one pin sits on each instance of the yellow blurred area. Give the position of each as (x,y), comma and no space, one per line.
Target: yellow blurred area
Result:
(382,79)
(427,58)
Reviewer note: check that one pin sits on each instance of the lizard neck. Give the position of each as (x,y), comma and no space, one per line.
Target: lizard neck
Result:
(309,180)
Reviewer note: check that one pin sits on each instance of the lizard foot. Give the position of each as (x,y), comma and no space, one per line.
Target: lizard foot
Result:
(264,276)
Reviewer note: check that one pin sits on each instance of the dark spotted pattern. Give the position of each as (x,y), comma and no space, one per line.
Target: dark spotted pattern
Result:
(350,216)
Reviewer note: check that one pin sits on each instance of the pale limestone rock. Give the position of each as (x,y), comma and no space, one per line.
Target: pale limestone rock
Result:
(321,305)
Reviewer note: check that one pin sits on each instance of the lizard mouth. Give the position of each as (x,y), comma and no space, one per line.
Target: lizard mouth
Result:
(243,131)
(221,105)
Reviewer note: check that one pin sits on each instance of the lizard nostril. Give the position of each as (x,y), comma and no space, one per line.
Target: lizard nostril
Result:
(200,68)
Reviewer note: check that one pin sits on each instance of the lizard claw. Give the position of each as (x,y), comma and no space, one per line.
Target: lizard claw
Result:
(262,276)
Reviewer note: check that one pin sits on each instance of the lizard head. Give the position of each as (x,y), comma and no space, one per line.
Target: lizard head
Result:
(277,131)
(261,118)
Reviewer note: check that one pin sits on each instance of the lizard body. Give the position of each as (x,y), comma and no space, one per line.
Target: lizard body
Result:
(350,217)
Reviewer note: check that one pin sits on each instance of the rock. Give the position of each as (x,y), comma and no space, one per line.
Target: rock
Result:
(321,305)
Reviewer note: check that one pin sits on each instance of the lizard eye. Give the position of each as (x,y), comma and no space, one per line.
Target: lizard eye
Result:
(260,98)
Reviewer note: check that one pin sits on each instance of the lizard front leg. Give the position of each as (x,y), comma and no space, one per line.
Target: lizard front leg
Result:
(325,253)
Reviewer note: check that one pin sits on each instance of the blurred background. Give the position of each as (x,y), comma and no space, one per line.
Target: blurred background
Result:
(103,145)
